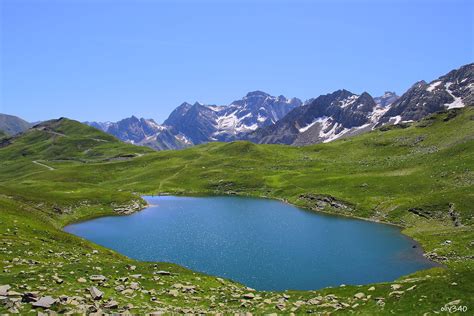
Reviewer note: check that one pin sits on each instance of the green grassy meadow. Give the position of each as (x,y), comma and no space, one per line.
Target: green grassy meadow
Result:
(417,175)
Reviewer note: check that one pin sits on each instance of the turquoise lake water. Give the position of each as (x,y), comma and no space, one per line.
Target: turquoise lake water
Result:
(264,244)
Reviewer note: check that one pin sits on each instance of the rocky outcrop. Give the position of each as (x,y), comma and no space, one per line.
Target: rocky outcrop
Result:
(325,202)
(130,208)
(454,215)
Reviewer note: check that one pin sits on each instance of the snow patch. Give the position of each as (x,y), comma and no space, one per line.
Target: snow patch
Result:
(348,101)
(457,103)
(227,121)
(261,118)
(433,86)
(396,119)
(318,120)
(182,138)
(245,128)
(332,134)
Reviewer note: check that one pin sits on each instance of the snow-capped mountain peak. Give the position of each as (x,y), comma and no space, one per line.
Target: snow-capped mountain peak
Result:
(263,118)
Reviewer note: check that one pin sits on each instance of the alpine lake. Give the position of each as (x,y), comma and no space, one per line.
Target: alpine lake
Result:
(264,244)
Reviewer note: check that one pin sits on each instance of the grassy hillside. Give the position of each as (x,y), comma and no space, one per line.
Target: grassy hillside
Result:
(416,175)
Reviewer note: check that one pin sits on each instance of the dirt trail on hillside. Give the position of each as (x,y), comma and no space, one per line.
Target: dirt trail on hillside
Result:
(43,165)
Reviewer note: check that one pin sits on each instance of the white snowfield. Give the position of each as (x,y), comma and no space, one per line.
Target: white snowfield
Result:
(457,103)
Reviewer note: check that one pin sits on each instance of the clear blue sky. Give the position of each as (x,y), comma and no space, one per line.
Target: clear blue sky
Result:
(106,60)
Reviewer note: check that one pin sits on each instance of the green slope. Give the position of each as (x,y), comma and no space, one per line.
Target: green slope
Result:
(416,175)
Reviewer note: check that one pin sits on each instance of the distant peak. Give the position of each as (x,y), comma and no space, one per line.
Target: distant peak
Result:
(365,94)
(419,84)
(342,93)
(257,93)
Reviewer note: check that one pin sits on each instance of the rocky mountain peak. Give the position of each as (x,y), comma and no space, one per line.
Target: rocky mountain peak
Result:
(386,99)
(256,93)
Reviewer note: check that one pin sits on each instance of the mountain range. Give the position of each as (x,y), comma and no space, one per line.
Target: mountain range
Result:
(262,118)
(192,124)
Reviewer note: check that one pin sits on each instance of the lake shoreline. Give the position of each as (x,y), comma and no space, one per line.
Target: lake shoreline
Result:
(402,228)
(412,242)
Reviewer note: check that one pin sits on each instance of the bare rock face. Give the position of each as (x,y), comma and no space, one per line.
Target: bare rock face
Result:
(323,202)
(322,119)
(453,90)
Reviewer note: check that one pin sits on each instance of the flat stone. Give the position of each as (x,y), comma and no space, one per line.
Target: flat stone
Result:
(280,307)
(44,302)
(396,293)
(4,289)
(97,277)
(13,293)
(189,288)
(111,304)
(173,293)
(359,295)
(395,286)
(456,302)
(127,292)
(119,288)
(299,303)
(96,293)
(248,296)
(163,272)
(81,280)
(411,288)
(372,288)
(314,301)
(58,280)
